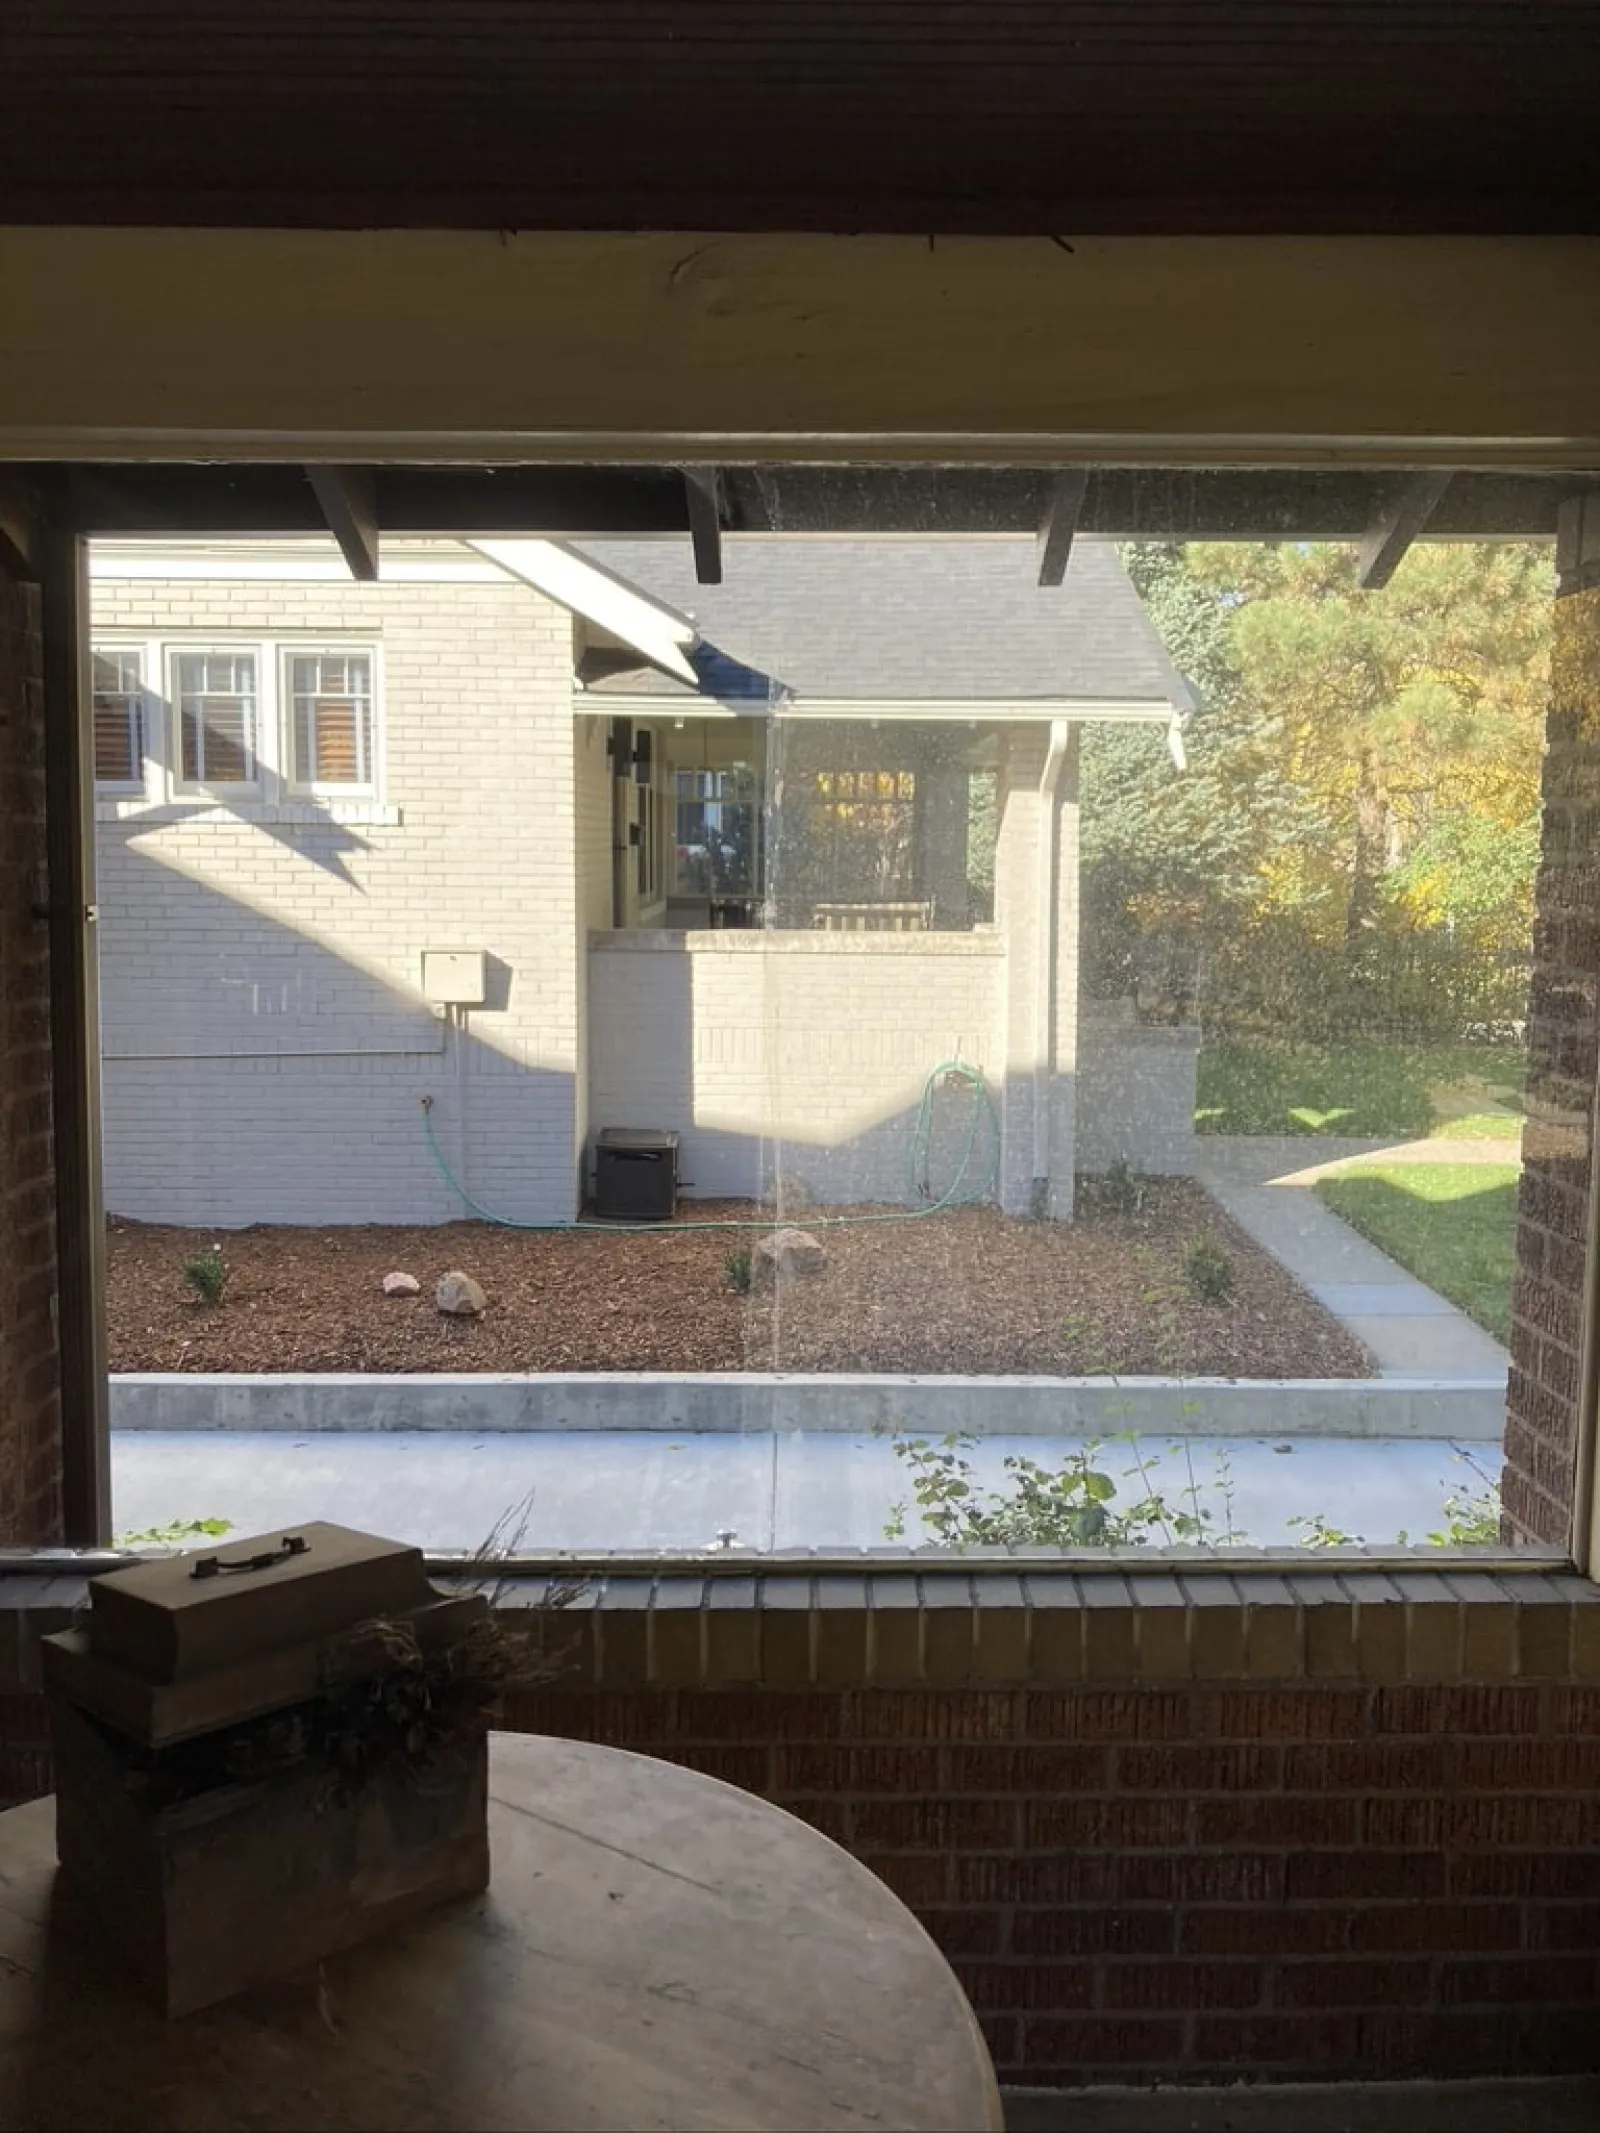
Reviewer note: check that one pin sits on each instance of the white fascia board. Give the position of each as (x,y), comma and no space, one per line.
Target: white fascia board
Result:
(1152,710)
(285,562)
(660,635)
(1156,710)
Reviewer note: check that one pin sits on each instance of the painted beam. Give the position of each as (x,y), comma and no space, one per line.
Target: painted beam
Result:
(1060,523)
(1390,535)
(347,500)
(702,493)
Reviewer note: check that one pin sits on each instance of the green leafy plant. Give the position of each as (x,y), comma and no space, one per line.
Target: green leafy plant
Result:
(738,1270)
(1209,1271)
(1315,1531)
(207,1274)
(176,1533)
(1472,1514)
(1071,1504)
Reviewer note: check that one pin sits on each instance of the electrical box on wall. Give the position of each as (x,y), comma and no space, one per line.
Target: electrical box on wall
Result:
(453,977)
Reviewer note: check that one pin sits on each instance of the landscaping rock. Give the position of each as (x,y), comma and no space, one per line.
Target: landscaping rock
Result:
(401,1285)
(460,1296)
(791,1251)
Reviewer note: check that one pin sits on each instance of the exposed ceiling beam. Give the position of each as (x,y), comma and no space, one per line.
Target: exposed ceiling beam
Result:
(1060,523)
(347,500)
(582,503)
(19,527)
(1388,538)
(702,495)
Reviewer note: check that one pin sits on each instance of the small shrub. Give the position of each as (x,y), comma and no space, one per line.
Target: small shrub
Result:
(207,1274)
(1209,1271)
(738,1270)
(1069,1505)
(1471,1515)
(1122,1191)
(176,1533)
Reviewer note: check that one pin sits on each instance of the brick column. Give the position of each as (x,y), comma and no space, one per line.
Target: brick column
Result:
(30,1408)
(1547,1302)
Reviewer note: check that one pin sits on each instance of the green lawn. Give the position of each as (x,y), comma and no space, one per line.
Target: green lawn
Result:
(1453,1225)
(1411,1091)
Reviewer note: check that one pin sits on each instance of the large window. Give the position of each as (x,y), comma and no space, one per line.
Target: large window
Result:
(718,833)
(253,721)
(1144,1063)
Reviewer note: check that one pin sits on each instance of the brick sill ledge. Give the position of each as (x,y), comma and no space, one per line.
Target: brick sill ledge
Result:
(792,1623)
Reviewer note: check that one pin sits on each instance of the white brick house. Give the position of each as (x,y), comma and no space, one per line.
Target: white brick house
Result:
(562,840)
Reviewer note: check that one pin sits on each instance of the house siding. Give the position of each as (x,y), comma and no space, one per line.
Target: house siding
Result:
(266,1041)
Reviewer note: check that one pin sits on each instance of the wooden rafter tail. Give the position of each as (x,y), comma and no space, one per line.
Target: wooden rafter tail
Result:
(1393,532)
(347,500)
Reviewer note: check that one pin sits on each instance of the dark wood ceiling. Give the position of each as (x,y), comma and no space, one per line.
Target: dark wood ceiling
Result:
(1053,116)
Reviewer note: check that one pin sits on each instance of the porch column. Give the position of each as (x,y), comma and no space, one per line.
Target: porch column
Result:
(1036,910)
(1550,1398)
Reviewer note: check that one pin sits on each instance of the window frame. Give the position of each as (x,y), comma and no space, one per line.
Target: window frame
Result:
(116,645)
(216,647)
(285,651)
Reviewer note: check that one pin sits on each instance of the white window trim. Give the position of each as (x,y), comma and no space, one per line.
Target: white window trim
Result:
(162,793)
(287,648)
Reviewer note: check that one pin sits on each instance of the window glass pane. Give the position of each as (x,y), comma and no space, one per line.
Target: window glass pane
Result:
(331,717)
(217,717)
(118,718)
(1125,988)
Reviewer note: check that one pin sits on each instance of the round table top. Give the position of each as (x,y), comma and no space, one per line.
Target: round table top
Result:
(655,1950)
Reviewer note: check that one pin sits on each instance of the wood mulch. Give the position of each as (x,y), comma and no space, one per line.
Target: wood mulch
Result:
(964,1291)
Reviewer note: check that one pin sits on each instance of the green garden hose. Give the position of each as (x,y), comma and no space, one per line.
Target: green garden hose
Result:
(982,1121)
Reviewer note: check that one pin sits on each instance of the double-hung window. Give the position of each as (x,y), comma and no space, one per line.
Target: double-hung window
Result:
(328,698)
(216,700)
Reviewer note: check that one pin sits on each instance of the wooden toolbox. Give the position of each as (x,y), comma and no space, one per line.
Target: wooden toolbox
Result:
(266,1753)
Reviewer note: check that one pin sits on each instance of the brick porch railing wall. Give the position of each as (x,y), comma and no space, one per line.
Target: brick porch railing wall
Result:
(1267,1827)
(30,1425)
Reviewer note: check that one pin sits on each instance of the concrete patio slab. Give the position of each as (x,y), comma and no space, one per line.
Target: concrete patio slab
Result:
(638,1491)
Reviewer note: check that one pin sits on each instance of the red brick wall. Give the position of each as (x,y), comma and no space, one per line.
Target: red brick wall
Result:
(1564,1051)
(30,1432)
(1204,1883)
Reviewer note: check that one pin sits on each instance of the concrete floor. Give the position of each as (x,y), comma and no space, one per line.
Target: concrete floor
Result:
(638,1491)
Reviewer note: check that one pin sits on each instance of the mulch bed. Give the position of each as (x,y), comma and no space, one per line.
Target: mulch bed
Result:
(963,1291)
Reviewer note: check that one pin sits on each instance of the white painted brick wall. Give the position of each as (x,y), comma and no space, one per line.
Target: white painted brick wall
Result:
(301,944)
(805,1054)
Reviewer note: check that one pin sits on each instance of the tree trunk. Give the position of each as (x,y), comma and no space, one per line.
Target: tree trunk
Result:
(1373,848)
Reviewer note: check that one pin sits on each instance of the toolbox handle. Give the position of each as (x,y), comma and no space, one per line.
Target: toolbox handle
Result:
(215,1566)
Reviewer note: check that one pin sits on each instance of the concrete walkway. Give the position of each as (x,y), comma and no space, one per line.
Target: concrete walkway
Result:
(641,1491)
(1409,1330)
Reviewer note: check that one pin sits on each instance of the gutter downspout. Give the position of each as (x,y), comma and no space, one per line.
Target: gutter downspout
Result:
(1046,958)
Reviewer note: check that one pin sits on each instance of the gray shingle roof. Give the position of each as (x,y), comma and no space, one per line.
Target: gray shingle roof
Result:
(902,616)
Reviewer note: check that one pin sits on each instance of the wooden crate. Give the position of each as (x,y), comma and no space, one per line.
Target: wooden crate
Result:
(210,1881)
